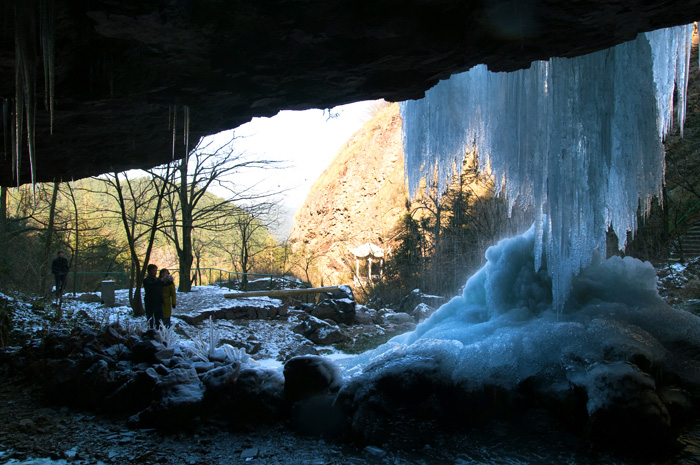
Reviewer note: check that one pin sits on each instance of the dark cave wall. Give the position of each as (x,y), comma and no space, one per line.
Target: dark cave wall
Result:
(122,69)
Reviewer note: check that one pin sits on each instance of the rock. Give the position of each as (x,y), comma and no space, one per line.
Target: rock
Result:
(113,334)
(411,301)
(338,306)
(27,425)
(90,298)
(248,454)
(623,405)
(302,349)
(266,311)
(257,396)
(309,376)
(319,331)
(318,416)
(422,312)
(400,398)
(399,318)
(677,401)
(164,355)
(221,377)
(145,351)
(181,395)
(362,316)
(118,352)
(203,367)
(374,451)
(134,394)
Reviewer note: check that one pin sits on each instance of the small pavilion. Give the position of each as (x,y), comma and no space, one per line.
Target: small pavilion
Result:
(372,253)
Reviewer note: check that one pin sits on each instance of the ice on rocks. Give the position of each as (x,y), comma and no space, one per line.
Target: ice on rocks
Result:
(504,329)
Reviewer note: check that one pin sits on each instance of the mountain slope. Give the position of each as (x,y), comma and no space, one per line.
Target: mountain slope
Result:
(358,199)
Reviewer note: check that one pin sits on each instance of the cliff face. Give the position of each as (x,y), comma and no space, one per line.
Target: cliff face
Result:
(358,199)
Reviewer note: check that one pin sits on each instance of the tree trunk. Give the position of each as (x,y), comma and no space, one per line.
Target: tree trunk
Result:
(48,239)
(185,253)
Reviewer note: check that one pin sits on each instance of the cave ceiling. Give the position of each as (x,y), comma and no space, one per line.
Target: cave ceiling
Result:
(125,70)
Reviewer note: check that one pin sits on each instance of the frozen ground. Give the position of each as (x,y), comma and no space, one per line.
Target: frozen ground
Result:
(268,341)
(35,432)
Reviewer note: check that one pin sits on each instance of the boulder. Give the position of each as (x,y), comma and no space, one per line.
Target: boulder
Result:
(179,402)
(90,298)
(221,377)
(422,312)
(257,395)
(310,375)
(338,306)
(363,316)
(145,351)
(318,416)
(410,302)
(398,318)
(319,331)
(623,404)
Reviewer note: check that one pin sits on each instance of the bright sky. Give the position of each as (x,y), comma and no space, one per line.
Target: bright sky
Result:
(303,141)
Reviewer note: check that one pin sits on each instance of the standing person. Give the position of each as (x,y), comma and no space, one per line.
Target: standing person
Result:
(169,295)
(59,268)
(153,297)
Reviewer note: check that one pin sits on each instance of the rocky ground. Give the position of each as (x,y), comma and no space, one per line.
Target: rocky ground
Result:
(30,427)
(35,431)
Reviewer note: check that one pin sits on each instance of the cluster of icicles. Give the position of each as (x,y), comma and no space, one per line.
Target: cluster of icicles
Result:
(25,79)
(20,115)
(578,140)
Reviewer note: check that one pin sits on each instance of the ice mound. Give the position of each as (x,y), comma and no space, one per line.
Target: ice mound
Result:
(614,347)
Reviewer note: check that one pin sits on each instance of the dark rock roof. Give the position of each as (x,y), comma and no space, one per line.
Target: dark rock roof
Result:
(123,67)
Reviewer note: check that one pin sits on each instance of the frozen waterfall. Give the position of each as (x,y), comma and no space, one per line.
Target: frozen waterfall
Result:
(580,140)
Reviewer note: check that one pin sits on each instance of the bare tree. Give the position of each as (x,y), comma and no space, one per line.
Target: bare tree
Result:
(138,202)
(188,206)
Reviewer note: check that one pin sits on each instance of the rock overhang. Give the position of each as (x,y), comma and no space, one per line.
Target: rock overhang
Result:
(126,73)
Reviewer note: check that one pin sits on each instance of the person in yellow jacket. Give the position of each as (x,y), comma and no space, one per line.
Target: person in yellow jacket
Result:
(169,295)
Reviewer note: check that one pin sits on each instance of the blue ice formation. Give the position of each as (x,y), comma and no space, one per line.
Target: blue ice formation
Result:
(504,330)
(579,140)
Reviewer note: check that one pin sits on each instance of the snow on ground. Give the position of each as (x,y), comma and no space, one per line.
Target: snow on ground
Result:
(267,341)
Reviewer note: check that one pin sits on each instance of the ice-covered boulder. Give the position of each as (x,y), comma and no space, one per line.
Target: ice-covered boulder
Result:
(610,360)
(180,396)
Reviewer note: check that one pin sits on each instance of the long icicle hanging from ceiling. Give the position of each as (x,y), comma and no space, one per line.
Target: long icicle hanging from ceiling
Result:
(48,47)
(579,139)
(25,77)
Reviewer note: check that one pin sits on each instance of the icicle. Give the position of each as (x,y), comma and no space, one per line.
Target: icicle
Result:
(186,129)
(5,124)
(48,46)
(17,136)
(174,126)
(580,140)
(25,81)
